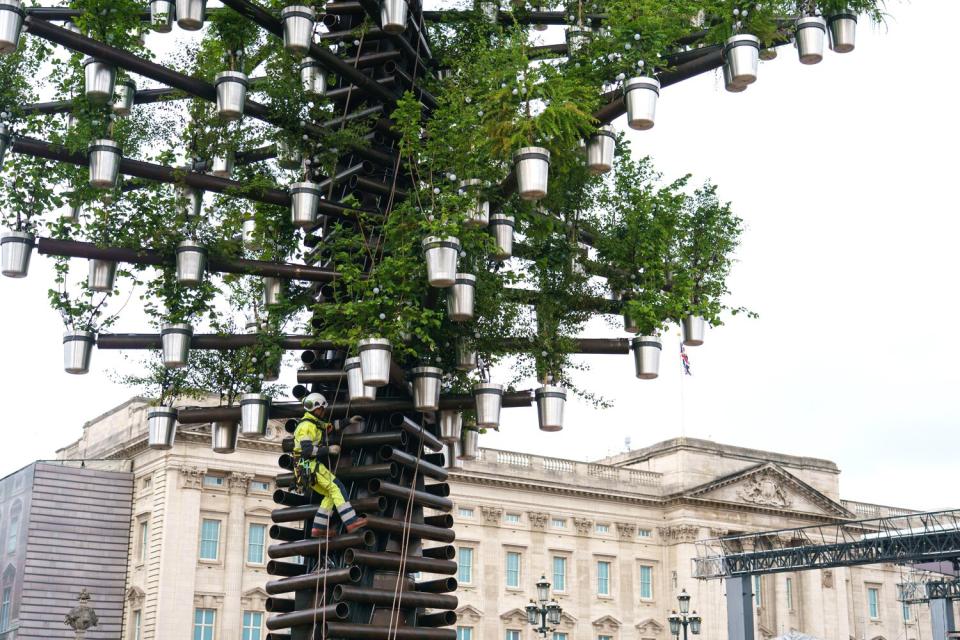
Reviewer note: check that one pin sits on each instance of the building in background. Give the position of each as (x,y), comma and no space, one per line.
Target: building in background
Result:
(615,538)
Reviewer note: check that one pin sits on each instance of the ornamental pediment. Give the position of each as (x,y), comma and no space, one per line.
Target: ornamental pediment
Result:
(650,626)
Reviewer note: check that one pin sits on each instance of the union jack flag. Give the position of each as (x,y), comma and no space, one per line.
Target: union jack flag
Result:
(684,360)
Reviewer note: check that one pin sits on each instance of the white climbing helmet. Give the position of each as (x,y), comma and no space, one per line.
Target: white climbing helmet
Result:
(315,401)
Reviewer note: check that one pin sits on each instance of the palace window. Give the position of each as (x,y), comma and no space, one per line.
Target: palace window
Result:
(512,634)
(143,539)
(790,594)
(873,602)
(259,486)
(213,481)
(906,612)
(512,518)
(603,528)
(135,626)
(758,590)
(464,633)
(5,608)
(644,533)
(558,523)
(513,569)
(646,582)
(210,539)
(559,573)
(466,512)
(252,625)
(203,621)
(603,578)
(256,539)
(465,565)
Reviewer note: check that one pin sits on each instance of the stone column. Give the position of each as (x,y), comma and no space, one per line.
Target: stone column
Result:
(180,541)
(538,559)
(629,592)
(234,555)
(488,553)
(584,576)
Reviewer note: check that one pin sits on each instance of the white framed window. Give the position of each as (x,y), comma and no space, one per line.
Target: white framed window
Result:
(513,569)
(203,624)
(758,590)
(465,512)
(252,625)
(210,539)
(603,578)
(789,589)
(259,486)
(135,625)
(512,634)
(256,541)
(873,602)
(465,565)
(215,482)
(644,533)
(464,633)
(13,529)
(512,518)
(5,608)
(646,582)
(143,539)
(602,528)
(559,573)
(559,636)
(558,523)
(907,616)
(604,637)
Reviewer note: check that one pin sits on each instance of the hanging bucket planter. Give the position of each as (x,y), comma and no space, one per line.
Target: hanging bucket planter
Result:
(272,291)
(550,402)
(469,443)
(101,274)
(578,37)
(502,228)
(489,398)
(77,347)
(191,263)
(99,80)
(298,21)
(629,324)
(249,233)
(426,388)
(305,199)
(843,32)
(460,297)
(532,168)
(452,456)
(356,390)
(641,95)
(479,214)
(104,157)
(191,14)
(466,357)
(811,32)
(124,95)
(4,140)
(646,356)
(16,247)
(768,54)
(728,82)
(224,435)
(191,199)
(161,15)
(254,413)
(11,23)
(393,16)
(451,423)
(600,149)
(175,340)
(441,255)
(694,329)
(288,156)
(231,94)
(313,77)
(161,427)
(221,165)
(375,356)
(741,58)
(71,213)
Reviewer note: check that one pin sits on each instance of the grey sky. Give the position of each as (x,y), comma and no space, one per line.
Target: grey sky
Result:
(842,174)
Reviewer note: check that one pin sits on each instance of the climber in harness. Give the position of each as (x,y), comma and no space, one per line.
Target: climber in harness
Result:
(312,432)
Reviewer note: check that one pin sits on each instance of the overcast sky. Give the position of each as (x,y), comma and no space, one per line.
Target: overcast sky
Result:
(844,173)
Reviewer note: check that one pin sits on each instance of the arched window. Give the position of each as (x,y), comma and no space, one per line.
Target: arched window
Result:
(13,532)
(6,596)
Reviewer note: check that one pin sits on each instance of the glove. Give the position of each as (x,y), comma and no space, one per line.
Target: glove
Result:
(334,449)
(306,449)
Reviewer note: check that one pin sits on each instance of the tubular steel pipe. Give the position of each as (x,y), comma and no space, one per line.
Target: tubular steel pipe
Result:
(275,568)
(309,376)
(443,520)
(446,552)
(423,531)
(369,471)
(313,547)
(285,461)
(436,459)
(369,505)
(279,605)
(288,499)
(205,341)
(441,490)
(392,562)
(375,187)
(387,598)
(337,611)
(278,636)
(284,480)
(411,462)
(286,534)
(442,585)
(438,619)
(292,514)
(351,631)
(309,581)
(370,440)
(417,431)
(421,498)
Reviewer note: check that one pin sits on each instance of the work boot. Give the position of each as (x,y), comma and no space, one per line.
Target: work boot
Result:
(357,523)
(318,532)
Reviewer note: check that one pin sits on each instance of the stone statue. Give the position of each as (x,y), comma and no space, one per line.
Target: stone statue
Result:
(81,617)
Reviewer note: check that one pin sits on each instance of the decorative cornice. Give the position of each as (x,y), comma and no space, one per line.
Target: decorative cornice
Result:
(606,623)
(678,534)
(239,482)
(584,526)
(191,477)
(627,530)
(538,519)
(649,625)
(469,613)
(491,515)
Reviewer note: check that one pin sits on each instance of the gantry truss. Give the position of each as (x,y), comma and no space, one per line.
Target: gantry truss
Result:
(917,537)
(921,586)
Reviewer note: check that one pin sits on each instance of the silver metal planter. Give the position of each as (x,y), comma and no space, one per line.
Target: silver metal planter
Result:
(768,54)
(741,57)
(101,275)
(466,357)
(221,165)
(532,169)
(452,456)
(231,94)
(161,428)
(811,32)
(288,156)
(375,357)
(16,247)
(489,399)
(11,23)
(646,356)
(4,139)
(254,414)
(600,149)
(641,95)
(298,21)
(191,14)
(250,233)
(313,77)
(77,347)
(191,199)
(224,435)
(356,390)
(469,444)
(728,82)
(124,94)
(305,199)
(99,80)
(502,228)
(71,213)
(843,32)
(175,342)
(426,388)
(460,297)
(161,15)
(272,290)
(451,423)
(105,158)
(393,15)
(441,255)
(191,263)
(629,324)
(550,403)
(694,329)
(479,214)
(578,37)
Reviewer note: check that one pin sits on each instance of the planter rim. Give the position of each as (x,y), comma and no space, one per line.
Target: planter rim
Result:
(17,236)
(463,185)
(298,10)
(842,16)
(86,336)
(12,5)
(605,130)
(647,341)
(309,62)
(811,21)
(92,59)
(180,327)
(374,343)
(532,153)
(488,387)
(432,242)
(740,40)
(351,363)
(191,245)
(465,278)
(231,76)
(162,411)
(103,144)
(127,82)
(305,187)
(579,30)
(499,218)
(642,82)
(550,391)
(254,398)
(426,372)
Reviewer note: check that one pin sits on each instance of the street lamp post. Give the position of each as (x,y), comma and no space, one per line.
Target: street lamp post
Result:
(546,613)
(683,620)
